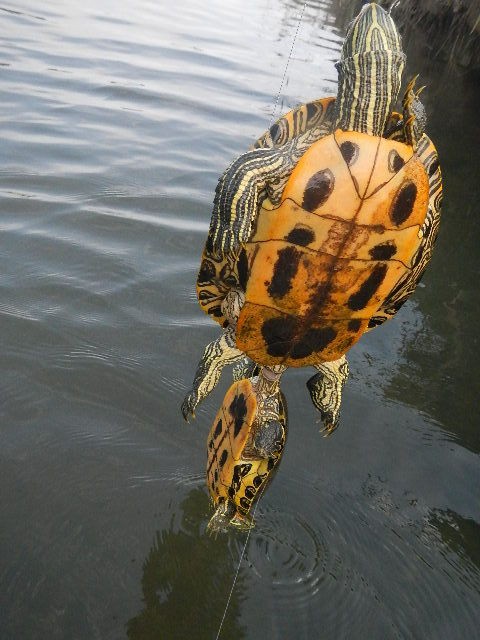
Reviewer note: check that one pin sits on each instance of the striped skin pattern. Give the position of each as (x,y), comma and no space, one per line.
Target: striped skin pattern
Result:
(262,169)
(235,474)
(372,50)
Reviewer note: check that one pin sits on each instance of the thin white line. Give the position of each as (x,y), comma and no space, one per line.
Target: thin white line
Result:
(288,62)
(240,562)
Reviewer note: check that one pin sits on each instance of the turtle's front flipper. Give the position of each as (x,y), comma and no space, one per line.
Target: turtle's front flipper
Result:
(217,355)
(326,391)
(237,195)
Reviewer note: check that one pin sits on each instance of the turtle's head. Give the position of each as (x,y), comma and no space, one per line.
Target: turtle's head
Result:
(369,72)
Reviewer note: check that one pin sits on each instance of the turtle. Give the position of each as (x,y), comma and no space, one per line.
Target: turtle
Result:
(323,229)
(242,456)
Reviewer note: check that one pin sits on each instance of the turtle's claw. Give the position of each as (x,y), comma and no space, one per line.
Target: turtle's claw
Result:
(328,428)
(329,423)
(188,406)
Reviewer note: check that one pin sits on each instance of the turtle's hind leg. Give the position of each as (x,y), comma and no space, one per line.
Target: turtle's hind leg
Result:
(325,390)
(217,355)
(226,515)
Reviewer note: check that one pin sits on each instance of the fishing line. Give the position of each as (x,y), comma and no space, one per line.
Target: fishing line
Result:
(240,563)
(288,62)
(264,486)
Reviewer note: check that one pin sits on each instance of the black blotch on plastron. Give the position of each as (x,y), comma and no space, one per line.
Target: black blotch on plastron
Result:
(360,298)
(231,492)
(301,235)
(257,481)
(284,270)
(350,152)
(212,484)
(403,203)
(238,411)
(242,265)
(383,251)
(278,334)
(223,458)
(271,464)
(313,341)
(354,324)
(218,429)
(318,189)
(207,272)
(215,475)
(211,444)
(395,161)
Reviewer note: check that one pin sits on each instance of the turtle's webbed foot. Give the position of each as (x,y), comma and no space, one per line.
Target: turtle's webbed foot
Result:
(189,405)
(217,355)
(226,516)
(326,392)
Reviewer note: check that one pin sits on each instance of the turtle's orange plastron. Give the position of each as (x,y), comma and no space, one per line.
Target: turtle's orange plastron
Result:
(322,263)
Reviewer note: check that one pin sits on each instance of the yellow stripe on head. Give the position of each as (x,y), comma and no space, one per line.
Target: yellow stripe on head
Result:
(370,72)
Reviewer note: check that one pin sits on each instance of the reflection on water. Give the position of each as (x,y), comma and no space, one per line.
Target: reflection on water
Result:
(118,119)
(187,577)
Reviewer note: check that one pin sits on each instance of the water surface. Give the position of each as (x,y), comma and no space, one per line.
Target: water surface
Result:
(117,120)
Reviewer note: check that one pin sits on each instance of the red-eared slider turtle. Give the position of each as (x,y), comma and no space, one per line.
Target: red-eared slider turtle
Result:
(242,454)
(324,228)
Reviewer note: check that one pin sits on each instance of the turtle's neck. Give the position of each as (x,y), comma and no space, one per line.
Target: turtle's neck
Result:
(369,72)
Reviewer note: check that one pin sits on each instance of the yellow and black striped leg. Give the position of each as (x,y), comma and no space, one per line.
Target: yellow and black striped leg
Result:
(217,355)
(326,391)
